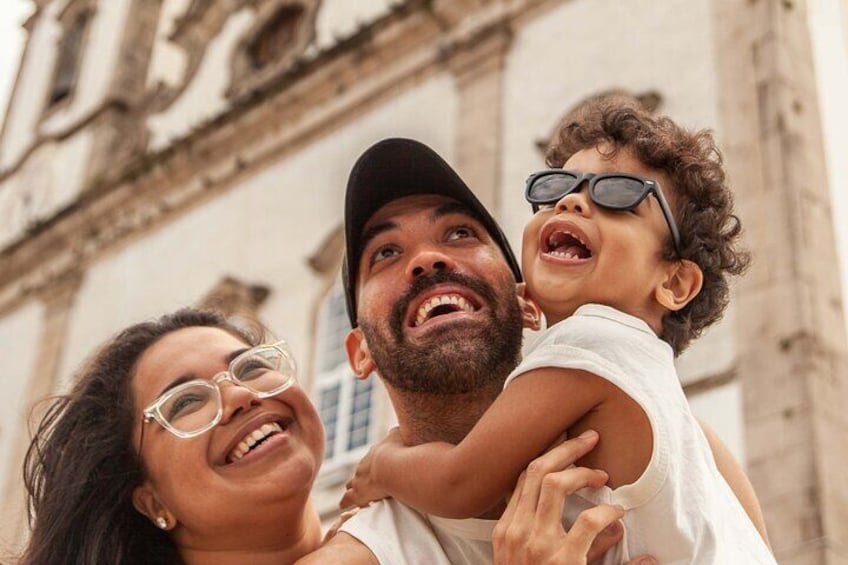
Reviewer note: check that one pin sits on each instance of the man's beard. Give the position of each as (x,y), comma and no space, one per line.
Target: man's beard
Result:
(455,359)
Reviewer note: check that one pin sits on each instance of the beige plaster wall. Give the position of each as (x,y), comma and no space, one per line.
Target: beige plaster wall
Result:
(828,22)
(50,179)
(20,333)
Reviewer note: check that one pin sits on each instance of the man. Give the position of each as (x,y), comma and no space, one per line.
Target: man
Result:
(430,282)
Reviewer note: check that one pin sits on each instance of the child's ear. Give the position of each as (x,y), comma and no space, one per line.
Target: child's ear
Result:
(358,354)
(531,314)
(682,283)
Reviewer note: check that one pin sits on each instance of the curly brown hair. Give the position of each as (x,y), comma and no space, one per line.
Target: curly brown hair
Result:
(701,200)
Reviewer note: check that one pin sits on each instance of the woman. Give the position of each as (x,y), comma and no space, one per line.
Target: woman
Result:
(184,441)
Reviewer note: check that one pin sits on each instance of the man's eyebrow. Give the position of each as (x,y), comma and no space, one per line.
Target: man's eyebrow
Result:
(191,376)
(374,231)
(456,208)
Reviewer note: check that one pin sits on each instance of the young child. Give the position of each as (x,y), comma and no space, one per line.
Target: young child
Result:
(627,255)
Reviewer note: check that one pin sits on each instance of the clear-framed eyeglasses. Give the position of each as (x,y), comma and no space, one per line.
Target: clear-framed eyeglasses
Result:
(195,407)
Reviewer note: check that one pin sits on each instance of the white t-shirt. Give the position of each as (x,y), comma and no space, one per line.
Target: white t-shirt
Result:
(681,510)
(398,535)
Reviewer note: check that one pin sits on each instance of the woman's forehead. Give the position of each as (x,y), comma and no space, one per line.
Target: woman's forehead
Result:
(187,351)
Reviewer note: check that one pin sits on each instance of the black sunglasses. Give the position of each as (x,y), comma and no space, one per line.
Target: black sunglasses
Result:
(613,191)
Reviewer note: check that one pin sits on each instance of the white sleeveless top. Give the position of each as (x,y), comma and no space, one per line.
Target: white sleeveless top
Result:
(681,510)
(398,535)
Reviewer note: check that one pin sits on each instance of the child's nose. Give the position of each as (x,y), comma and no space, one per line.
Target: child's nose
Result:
(576,202)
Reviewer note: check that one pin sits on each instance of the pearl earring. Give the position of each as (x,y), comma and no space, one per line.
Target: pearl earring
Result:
(162,523)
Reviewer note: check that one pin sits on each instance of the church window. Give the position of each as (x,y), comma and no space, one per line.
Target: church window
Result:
(69,58)
(345,403)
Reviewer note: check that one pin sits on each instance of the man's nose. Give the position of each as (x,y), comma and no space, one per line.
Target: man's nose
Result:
(429,261)
(576,202)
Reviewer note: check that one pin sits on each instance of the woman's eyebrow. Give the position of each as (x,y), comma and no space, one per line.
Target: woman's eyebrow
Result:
(175,383)
(190,376)
(236,353)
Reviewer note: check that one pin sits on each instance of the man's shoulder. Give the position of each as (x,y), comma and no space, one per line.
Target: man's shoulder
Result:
(386,515)
(387,526)
(342,549)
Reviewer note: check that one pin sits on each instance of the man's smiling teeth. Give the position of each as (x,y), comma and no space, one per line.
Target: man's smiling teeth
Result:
(453,300)
(253,438)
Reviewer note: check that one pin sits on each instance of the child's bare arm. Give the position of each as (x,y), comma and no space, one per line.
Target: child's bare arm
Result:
(467,479)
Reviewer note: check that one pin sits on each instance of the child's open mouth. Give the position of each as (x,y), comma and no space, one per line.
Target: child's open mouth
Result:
(565,244)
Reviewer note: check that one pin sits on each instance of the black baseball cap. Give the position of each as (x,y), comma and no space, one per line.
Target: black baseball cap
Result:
(395,168)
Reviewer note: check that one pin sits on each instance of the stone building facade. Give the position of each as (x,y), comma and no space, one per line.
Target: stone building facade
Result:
(158,153)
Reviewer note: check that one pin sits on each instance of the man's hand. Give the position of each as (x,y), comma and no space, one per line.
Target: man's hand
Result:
(363,487)
(530,530)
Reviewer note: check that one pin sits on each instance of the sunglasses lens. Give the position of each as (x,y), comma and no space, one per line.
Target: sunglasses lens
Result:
(619,193)
(550,188)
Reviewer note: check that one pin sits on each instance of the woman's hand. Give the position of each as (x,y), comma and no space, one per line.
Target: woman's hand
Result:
(363,487)
(531,531)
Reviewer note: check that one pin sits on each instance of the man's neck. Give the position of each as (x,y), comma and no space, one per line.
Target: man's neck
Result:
(440,417)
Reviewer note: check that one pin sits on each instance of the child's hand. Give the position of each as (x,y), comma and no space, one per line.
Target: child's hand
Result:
(364,486)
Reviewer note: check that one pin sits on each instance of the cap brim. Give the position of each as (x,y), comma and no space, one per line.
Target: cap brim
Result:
(396,168)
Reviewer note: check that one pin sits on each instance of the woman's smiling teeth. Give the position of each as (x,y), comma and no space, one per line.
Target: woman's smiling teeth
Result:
(442,304)
(253,439)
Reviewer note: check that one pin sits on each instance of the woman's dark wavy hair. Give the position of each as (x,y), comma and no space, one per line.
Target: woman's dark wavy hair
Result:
(81,466)
(700,198)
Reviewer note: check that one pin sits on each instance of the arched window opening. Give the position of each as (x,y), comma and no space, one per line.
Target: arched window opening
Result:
(276,37)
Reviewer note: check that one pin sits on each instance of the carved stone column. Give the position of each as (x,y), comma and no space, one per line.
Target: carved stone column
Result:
(478,65)
(58,301)
(791,337)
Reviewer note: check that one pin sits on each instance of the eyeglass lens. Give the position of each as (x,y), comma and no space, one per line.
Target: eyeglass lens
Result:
(194,405)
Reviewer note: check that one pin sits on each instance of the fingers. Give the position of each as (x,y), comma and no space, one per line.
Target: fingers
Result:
(605,541)
(334,529)
(556,486)
(589,525)
(348,500)
(557,459)
(514,498)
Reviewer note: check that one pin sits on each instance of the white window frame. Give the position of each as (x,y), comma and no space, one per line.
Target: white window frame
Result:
(337,467)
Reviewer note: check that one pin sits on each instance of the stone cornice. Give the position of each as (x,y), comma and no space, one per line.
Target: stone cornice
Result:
(309,101)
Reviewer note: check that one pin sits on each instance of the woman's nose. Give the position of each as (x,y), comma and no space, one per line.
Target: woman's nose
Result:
(234,399)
